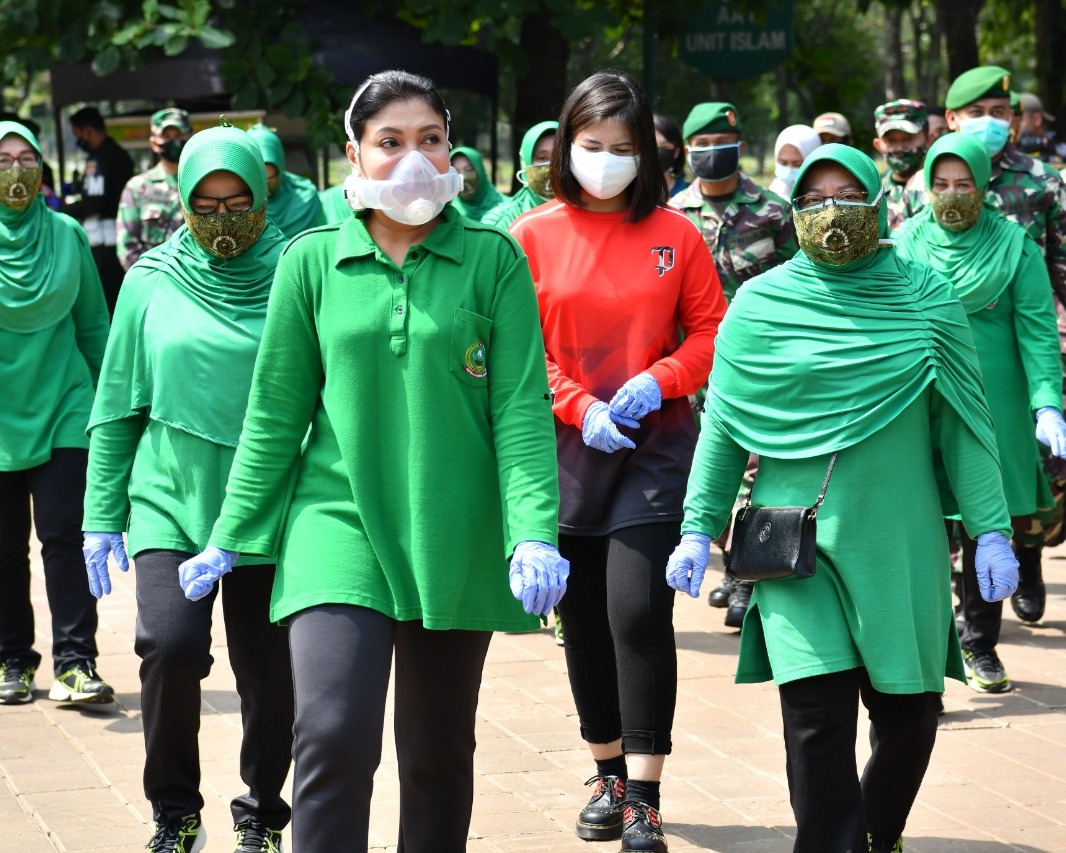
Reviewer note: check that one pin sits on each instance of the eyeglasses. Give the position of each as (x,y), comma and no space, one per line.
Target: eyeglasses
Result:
(810,201)
(207,204)
(26,161)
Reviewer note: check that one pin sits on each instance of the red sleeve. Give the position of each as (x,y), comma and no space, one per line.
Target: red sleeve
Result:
(701,307)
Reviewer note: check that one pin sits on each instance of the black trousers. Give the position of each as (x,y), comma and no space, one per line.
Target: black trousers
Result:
(56,490)
(173,640)
(983,618)
(111,274)
(341,658)
(834,808)
(618,632)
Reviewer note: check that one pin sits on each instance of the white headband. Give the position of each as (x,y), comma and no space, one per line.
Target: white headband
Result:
(355,98)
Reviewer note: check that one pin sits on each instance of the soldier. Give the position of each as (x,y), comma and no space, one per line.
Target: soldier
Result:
(150,208)
(1031,193)
(748,230)
(901,139)
(107,169)
(1036,139)
(938,125)
(833,127)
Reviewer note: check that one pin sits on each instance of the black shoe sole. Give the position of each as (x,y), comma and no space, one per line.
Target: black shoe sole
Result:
(593,832)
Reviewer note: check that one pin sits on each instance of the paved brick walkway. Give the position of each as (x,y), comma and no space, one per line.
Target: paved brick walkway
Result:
(70,779)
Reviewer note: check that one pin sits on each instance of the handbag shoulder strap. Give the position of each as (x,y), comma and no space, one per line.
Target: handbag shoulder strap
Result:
(825,485)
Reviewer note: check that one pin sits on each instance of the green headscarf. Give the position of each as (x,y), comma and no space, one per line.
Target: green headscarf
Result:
(39,262)
(980,261)
(532,137)
(187,324)
(294,207)
(486,197)
(812,359)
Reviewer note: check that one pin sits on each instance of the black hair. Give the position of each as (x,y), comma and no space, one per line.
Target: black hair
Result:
(609,95)
(669,129)
(88,117)
(936,111)
(380,90)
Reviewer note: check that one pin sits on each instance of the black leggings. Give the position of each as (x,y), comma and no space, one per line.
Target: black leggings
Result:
(618,631)
(835,809)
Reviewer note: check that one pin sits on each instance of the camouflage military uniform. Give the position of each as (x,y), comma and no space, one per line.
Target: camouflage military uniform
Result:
(747,235)
(149,212)
(1031,193)
(894,199)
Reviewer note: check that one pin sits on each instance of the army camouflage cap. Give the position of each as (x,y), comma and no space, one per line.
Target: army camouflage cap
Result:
(171,117)
(711,117)
(903,114)
(988,81)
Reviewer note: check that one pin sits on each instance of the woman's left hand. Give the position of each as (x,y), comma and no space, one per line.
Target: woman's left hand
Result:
(636,398)
(198,574)
(1051,430)
(688,564)
(997,567)
(538,576)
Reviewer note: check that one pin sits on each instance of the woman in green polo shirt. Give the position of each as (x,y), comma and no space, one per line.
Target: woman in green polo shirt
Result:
(164,426)
(53,329)
(1002,281)
(819,357)
(403,352)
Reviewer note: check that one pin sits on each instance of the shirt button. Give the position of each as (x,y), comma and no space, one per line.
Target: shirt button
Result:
(399,309)
(401,279)
(414,255)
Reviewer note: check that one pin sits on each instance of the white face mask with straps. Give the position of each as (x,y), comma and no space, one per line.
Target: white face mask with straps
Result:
(602,174)
(413,194)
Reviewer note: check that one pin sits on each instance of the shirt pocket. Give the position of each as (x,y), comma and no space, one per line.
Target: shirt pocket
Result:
(468,356)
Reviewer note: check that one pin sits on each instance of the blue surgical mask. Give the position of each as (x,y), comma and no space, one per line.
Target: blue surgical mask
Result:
(786,174)
(990,132)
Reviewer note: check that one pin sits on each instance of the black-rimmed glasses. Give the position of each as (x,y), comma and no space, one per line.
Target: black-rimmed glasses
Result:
(207,204)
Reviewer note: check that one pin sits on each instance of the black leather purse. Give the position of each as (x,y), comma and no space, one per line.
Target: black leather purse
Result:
(773,542)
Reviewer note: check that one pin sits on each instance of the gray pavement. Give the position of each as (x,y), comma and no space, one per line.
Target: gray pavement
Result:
(70,778)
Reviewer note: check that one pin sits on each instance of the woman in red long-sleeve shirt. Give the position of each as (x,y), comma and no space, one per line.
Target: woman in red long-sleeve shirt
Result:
(620,279)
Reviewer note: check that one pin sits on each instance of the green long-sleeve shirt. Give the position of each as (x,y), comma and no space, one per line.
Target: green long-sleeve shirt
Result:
(431,450)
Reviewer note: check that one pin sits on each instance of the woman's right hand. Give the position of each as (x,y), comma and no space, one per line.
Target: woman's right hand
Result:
(688,564)
(997,567)
(96,547)
(198,574)
(599,431)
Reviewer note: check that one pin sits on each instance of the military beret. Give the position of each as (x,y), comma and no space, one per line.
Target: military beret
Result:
(711,117)
(988,81)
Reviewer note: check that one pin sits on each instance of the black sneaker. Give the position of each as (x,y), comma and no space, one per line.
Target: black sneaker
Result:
(739,599)
(885,847)
(642,829)
(255,837)
(184,835)
(16,682)
(985,672)
(601,819)
(1030,597)
(719,596)
(82,685)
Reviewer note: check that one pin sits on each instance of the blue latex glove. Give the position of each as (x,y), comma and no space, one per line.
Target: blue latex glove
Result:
(637,397)
(997,567)
(600,432)
(688,564)
(538,576)
(1051,430)
(96,547)
(198,574)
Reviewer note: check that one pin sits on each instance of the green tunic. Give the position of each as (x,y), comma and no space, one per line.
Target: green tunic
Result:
(53,330)
(431,450)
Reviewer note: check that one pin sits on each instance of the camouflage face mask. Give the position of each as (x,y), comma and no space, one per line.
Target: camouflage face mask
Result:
(19,186)
(229,234)
(537,180)
(958,211)
(837,233)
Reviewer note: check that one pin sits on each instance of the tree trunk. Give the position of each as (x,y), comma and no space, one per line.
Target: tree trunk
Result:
(959,21)
(781,91)
(1050,45)
(540,92)
(893,46)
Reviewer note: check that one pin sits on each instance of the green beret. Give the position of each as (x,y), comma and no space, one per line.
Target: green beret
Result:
(988,81)
(1015,100)
(711,117)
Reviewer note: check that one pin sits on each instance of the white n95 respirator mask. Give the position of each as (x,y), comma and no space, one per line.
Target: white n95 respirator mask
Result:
(413,194)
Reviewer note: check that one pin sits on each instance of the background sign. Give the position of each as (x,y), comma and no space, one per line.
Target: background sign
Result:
(732,44)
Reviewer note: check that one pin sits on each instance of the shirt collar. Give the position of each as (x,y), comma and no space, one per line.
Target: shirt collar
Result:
(747,192)
(1013,160)
(446,240)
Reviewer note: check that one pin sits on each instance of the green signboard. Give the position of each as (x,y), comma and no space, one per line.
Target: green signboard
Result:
(729,41)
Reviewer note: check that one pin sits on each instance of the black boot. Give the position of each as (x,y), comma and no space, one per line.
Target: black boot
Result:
(719,596)
(1030,598)
(739,599)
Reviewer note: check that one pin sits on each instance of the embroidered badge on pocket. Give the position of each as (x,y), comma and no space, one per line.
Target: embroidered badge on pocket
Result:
(474,360)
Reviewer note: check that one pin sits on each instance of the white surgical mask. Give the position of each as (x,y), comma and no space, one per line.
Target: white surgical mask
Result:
(786,174)
(413,194)
(602,174)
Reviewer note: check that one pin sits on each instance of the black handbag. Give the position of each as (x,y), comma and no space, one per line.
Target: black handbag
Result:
(772,542)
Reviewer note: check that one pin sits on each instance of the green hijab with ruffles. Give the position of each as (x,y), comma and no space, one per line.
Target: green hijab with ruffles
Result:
(294,207)
(39,263)
(485,197)
(187,325)
(813,358)
(980,261)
